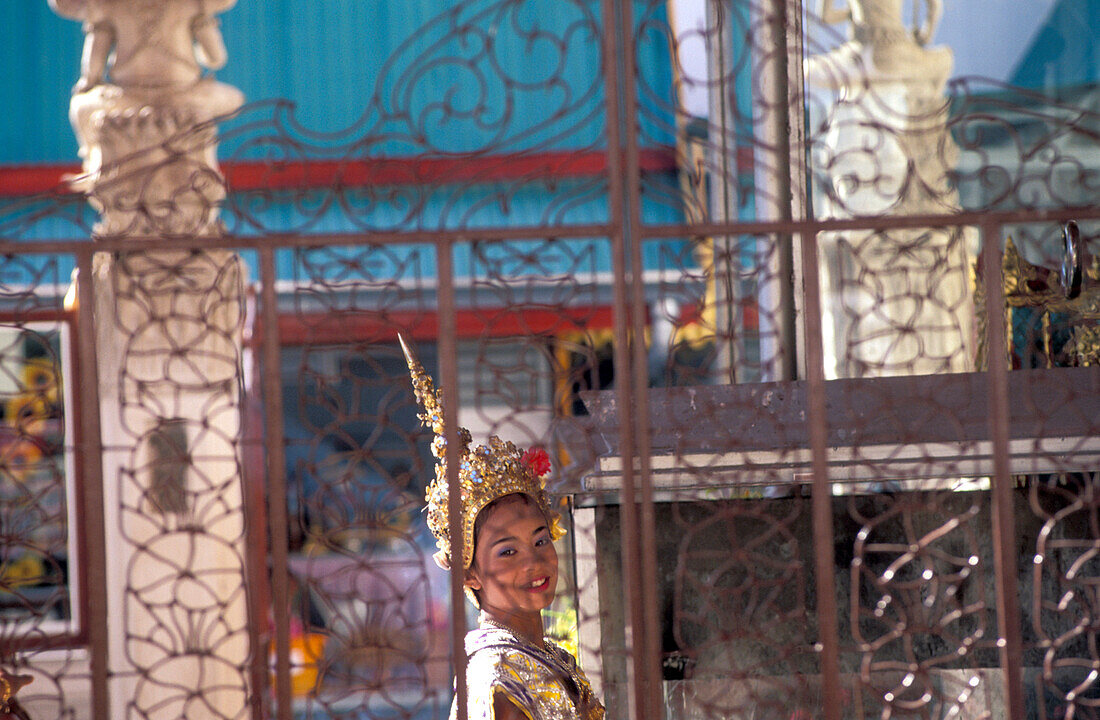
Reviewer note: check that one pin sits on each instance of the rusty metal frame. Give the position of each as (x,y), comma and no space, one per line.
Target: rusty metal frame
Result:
(639,559)
(626,234)
(73,246)
(95,551)
(276,478)
(448,373)
(648,664)
(822,511)
(637,495)
(649,231)
(1010,632)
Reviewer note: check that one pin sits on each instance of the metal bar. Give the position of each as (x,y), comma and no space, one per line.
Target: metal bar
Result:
(621,355)
(91,465)
(284,240)
(256,522)
(298,240)
(817,417)
(1004,526)
(276,478)
(647,657)
(448,378)
(33,316)
(877,223)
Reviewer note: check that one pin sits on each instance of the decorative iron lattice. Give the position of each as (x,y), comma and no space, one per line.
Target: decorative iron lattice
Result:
(811,422)
(1063,594)
(41,579)
(366,597)
(466,121)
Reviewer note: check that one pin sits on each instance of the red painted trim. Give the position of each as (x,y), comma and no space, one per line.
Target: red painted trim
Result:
(347,327)
(25,180)
(358,326)
(22,318)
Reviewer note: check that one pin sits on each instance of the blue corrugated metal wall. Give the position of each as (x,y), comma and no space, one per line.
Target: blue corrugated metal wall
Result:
(368,78)
(332,57)
(40,55)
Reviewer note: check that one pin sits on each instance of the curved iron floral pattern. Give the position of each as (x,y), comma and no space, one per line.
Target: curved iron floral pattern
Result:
(360,466)
(457,136)
(738,609)
(1063,594)
(361,579)
(1019,149)
(921,614)
(52,215)
(33,503)
(39,578)
(1006,147)
(921,617)
(471,118)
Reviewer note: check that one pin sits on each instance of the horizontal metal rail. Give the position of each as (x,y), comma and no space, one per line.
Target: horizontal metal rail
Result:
(437,237)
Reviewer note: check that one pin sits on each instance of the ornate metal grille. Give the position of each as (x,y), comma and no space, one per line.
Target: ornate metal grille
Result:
(826,440)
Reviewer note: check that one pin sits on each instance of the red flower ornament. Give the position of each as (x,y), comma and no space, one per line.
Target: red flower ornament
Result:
(537,459)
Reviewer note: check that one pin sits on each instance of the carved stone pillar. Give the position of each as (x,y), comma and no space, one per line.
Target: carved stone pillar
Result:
(899,301)
(168,331)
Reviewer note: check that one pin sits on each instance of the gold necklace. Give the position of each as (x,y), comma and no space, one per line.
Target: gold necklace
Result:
(484,619)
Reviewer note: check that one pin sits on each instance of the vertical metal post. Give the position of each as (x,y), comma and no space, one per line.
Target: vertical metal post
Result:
(448,379)
(91,465)
(253,476)
(614,79)
(824,557)
(276,480)
(1010,640)
(647,660)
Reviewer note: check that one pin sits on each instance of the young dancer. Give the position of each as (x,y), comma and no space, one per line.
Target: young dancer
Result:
(510,571)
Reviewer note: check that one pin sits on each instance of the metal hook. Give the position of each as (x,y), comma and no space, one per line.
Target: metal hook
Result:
(1072,260)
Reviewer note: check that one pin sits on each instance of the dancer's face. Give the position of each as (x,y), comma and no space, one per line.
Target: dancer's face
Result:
(515,567)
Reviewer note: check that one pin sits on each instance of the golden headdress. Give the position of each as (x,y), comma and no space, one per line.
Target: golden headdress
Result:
(486,472)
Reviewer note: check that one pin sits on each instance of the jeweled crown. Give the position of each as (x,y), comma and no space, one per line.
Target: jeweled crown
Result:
(486,472)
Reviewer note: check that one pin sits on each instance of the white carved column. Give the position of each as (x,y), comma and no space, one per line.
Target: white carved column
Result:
(896,302)
(168,331)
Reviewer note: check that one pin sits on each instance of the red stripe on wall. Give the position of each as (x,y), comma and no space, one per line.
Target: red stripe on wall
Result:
(24,180)
(345,327)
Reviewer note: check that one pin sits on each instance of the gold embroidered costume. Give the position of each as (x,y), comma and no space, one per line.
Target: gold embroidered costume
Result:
(545,683)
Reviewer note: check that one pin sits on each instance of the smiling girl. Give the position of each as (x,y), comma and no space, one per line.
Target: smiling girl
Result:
(510,572)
